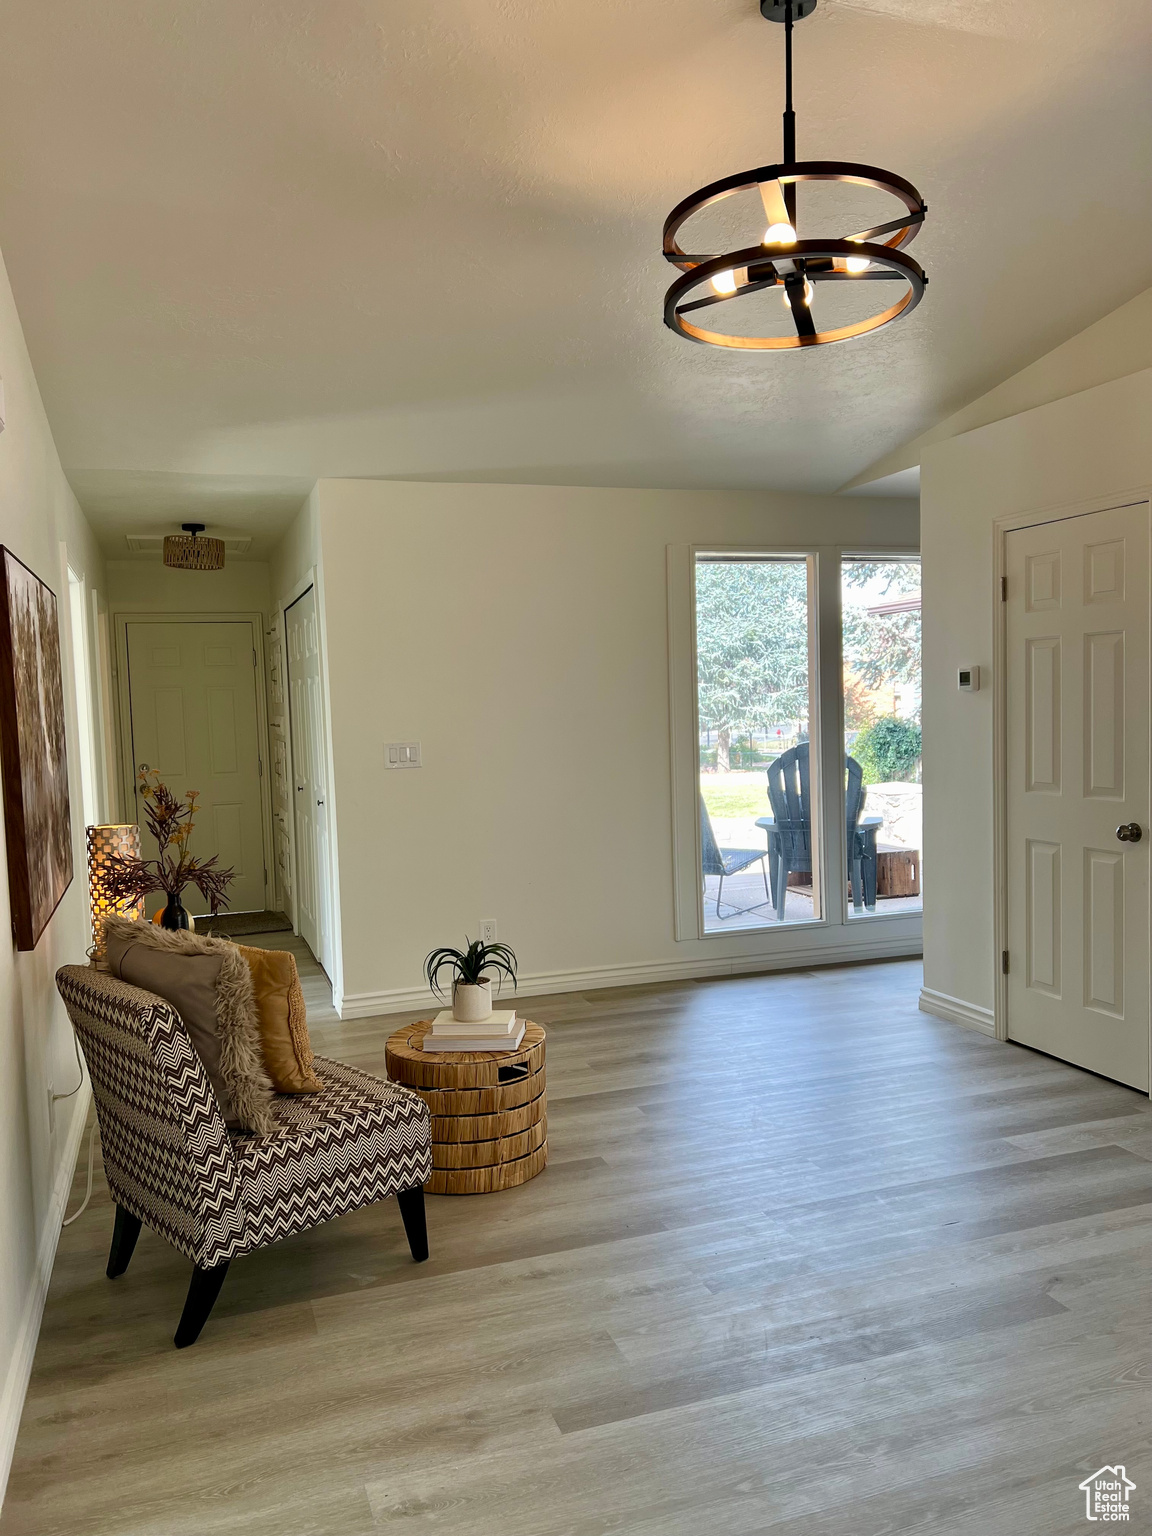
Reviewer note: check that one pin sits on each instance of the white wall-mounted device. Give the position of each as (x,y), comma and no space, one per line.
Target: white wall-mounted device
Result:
(968,679)
(402,754)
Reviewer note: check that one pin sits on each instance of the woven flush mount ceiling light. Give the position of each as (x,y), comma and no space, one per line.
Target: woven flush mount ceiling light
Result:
(782,261)
(188,552)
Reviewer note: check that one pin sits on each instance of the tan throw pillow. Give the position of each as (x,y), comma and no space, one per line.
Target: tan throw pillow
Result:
(209,985)
(283,1020)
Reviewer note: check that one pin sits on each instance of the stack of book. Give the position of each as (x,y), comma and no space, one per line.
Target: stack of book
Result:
(500,1031)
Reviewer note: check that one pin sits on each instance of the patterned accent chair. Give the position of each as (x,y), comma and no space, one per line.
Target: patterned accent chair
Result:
(173,1166)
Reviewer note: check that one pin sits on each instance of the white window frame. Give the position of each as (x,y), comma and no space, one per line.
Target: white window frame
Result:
(834,935)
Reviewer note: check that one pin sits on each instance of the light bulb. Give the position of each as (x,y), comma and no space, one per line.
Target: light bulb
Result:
(724,282)
(779,234)
(807,295)
(857,264)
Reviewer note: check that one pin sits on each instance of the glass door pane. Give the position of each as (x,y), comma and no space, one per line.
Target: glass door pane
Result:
(881,616)
(758,826)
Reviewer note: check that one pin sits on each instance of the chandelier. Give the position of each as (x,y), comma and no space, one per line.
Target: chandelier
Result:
(187,552)
(795,267)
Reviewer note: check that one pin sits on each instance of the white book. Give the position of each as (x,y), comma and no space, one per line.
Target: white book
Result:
(498,1025)
(473,1043)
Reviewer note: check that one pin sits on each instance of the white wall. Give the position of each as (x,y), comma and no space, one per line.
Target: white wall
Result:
(1117,345)
(38,513)
(149,586)
(297,553)
(1093,444)
(520,633)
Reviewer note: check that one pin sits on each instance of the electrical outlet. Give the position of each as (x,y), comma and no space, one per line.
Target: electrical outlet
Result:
(488,930)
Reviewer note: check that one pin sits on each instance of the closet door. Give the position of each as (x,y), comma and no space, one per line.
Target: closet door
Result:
(1078,790)
(309,792)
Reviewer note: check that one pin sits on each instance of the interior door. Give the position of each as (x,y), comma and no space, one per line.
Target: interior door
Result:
(1078,790)
(310,795)
(192,706)
(280,778)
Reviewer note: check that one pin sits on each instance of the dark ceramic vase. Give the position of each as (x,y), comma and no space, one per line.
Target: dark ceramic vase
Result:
(174,914)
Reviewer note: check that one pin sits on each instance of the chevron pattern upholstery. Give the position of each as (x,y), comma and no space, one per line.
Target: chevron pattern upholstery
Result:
(214,1195)
(359,1140)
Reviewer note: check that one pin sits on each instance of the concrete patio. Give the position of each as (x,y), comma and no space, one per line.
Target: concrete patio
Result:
(744,904)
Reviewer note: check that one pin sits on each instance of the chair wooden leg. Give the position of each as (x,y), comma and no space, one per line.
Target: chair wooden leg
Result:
(411,1203)
(781,888)
(202,1293)
(124,1235)
(719,888)
(857,884)
(764,872)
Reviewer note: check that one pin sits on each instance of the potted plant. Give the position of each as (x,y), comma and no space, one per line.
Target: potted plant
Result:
(471,985)
(170,822)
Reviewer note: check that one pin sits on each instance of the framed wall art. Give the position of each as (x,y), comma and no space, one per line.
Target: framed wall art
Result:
(37,818)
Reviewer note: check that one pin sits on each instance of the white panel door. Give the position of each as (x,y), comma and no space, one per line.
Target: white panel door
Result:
(309,777)
(1078,790)
(280,782)
(192,702)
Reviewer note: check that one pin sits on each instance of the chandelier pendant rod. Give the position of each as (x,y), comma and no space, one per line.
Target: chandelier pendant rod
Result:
(789,117)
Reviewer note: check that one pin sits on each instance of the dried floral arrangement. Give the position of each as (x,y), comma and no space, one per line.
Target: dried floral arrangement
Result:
(170,822)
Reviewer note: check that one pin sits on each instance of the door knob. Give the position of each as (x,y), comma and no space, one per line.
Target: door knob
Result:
(1130,832)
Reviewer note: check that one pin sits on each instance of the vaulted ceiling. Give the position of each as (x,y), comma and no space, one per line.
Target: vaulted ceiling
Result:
(255,244)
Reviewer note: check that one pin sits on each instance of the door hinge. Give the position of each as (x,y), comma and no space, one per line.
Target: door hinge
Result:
(1004,961)
(1003,589)
(260,765)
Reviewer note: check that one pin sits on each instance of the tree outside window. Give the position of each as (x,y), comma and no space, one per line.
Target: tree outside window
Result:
(751,648)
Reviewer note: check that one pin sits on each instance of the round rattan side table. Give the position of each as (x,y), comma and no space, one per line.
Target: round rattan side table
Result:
(489,1109)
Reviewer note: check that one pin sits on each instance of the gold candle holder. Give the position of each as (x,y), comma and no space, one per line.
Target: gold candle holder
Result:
(105,843)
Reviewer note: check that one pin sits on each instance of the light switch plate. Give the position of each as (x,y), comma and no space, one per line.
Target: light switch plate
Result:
(402,754)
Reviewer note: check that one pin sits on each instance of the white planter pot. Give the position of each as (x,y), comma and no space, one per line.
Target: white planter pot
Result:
(471,1005)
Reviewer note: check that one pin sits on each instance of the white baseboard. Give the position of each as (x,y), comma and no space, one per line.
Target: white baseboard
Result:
(24,1349)
(366,1005)
(956,1011)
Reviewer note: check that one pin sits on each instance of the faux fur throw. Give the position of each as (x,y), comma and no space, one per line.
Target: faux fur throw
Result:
(237,1021)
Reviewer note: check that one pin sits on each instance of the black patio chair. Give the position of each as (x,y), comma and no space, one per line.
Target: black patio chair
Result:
(727,861)
(790,839)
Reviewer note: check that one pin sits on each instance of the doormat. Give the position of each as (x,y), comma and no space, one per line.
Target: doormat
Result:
(232,925)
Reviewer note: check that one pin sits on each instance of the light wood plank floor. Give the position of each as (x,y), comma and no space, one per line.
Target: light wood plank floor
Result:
(805,1262)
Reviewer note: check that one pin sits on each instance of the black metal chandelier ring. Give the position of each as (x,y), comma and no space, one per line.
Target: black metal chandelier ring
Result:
(784,260)
(813,261)
(787,176)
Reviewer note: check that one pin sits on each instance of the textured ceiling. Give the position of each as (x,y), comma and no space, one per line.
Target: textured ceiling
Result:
(253,244)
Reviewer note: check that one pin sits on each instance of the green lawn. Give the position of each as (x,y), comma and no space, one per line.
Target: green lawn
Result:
(736,794)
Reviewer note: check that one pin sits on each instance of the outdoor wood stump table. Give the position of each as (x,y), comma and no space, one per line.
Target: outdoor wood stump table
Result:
(489,1109)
